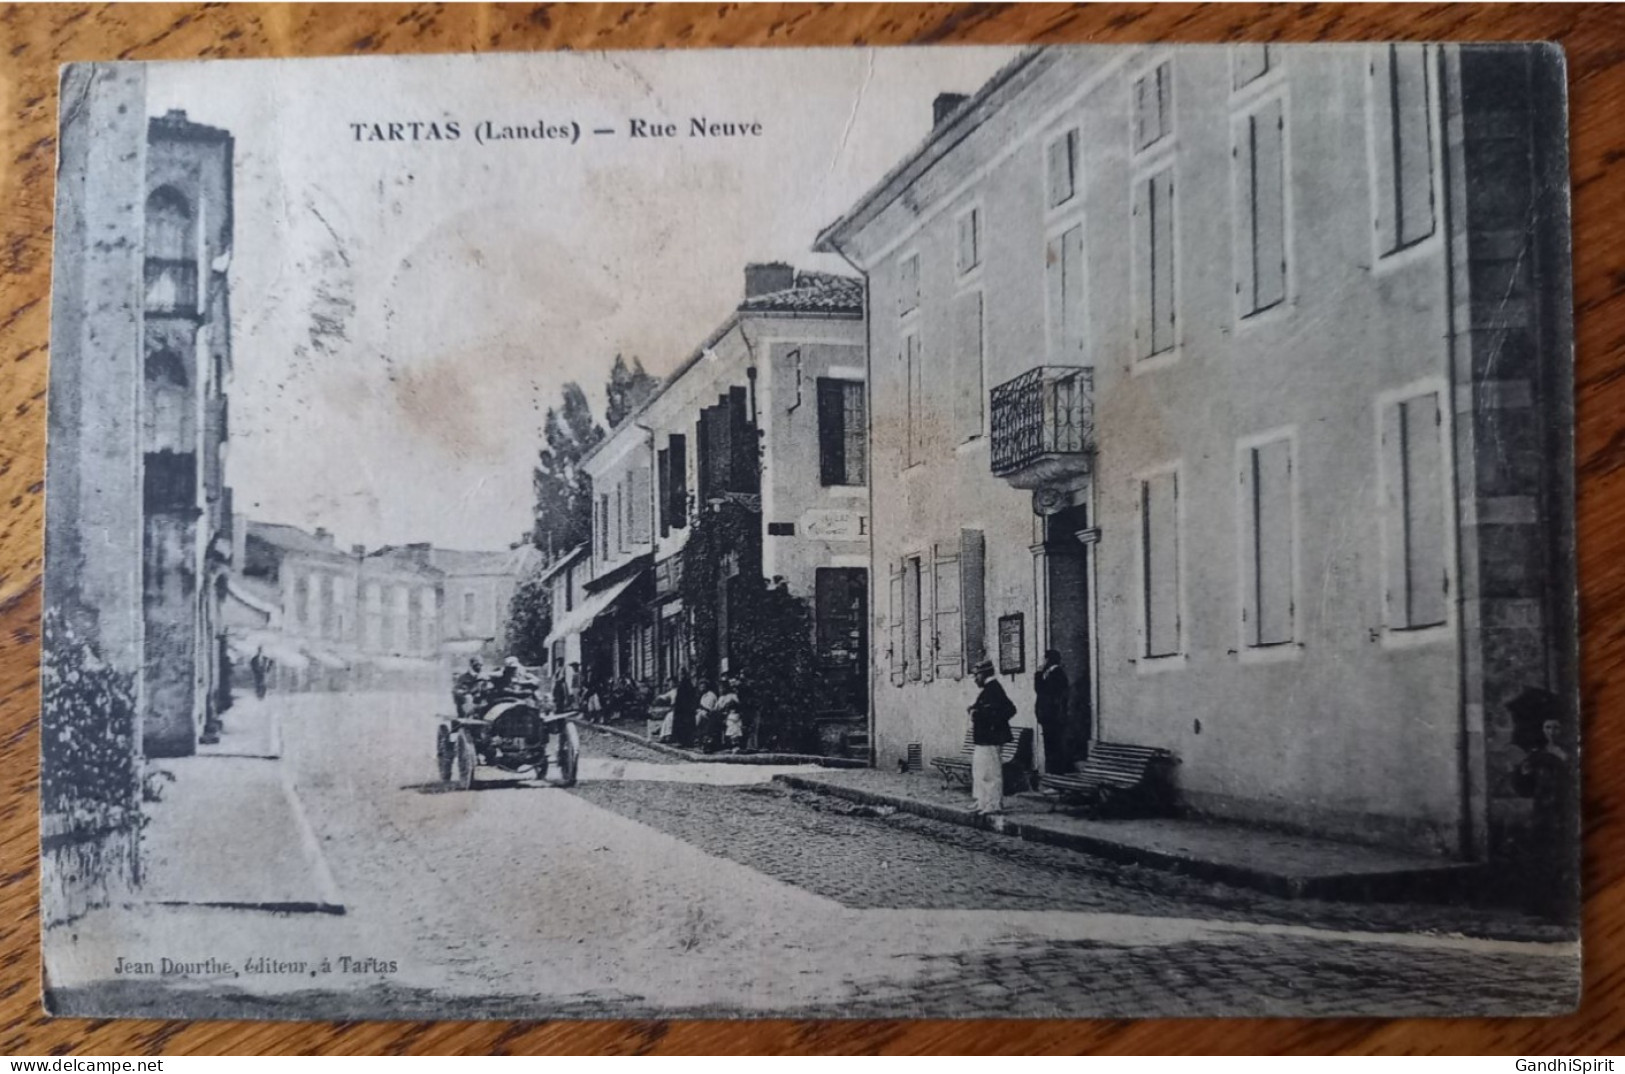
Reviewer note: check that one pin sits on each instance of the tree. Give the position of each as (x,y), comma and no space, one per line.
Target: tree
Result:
(530,620)
(769,630)
(629,387)
(563,493)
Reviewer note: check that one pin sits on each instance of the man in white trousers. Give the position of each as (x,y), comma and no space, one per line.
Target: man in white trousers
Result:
(990,717)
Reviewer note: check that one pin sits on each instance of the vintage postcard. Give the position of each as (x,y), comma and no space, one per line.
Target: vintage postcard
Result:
(933,532)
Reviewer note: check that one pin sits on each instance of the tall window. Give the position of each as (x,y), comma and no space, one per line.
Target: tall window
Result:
(908,284)
(970,378)
(1153,106)
(842,432)
(1063,279)
(1268,529)
(603,526)
(171,259)
(913,620)
(1403,143)
(915,374)
(401,612)
(1260,185)
(374,628)
(1154,263)
(1417,532)
(620,516)
(677,481)
(968,249)
(1159,545)
(468,609)
(947,613)
(637,507)
(1061,165)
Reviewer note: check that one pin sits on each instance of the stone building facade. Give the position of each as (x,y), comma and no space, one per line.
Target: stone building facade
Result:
(1239,376)
(186,527)
(766,415)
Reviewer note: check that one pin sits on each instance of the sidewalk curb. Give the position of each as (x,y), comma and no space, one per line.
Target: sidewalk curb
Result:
(1356,886)
(331,902)
(728,758)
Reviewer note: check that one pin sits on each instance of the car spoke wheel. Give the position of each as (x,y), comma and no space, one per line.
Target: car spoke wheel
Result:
(444,753)
(466,760)
(569,755)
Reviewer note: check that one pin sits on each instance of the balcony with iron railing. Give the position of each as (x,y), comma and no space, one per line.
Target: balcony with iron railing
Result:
(1043,425)
(171,287)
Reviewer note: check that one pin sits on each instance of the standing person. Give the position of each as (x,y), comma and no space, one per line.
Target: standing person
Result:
(684,703)
(561,691)
(733,720)
(1052,687)
(259,665)
(990,717)
(708,729)
(661,711)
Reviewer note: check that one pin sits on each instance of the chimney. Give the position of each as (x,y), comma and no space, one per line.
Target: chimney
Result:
(418,552)
(358,550)
(763,278)
(323,536)
(945,105)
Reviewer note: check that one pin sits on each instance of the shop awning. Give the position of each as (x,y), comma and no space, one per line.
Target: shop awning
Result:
(327,659)
(591,607)
(275,647)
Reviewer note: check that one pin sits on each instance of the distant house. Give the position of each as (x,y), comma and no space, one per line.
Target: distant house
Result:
(768,415)
(477,588)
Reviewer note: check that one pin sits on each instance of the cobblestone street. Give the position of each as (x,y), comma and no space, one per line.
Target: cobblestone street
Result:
(662,887)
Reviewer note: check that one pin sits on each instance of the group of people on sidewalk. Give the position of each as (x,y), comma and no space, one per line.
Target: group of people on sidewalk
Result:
(708,716)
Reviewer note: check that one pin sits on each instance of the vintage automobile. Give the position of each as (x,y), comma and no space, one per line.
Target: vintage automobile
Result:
(511,734)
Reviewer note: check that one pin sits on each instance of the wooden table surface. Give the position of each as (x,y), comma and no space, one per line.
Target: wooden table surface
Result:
(35,39)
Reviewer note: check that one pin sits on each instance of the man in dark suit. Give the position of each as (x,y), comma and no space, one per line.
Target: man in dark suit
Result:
(990,717)
(1053,689)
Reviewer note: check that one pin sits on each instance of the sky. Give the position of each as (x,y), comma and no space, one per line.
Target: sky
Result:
(405,312)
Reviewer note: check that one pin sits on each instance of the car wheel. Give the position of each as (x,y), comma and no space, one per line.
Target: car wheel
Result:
(569,756)
(444,752)
(466,761)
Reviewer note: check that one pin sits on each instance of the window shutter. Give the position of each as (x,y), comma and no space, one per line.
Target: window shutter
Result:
(679,481)
(1160,507)
(1385,142)
(702,448)
(1269,164)
(947,611)
(1272,475)
(1072,297)
(663,490)
(1413,140)
(856,426)
(972,595)
(831,433)
(1164,279)
(1426,581)
(969,389)
(894,627)
(641,529)
(1143,268)
(1054,297)
(1244,161)
(927,617)
(1393,516)
(916,400)
(1249,546)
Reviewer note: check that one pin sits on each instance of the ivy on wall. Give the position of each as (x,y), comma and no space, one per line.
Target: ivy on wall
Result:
(89,773)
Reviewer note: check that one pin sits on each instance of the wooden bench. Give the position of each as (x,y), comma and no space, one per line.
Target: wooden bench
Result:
(1015,761)
(1118,778)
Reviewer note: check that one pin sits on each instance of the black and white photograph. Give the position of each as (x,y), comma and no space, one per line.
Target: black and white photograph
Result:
(928,532)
